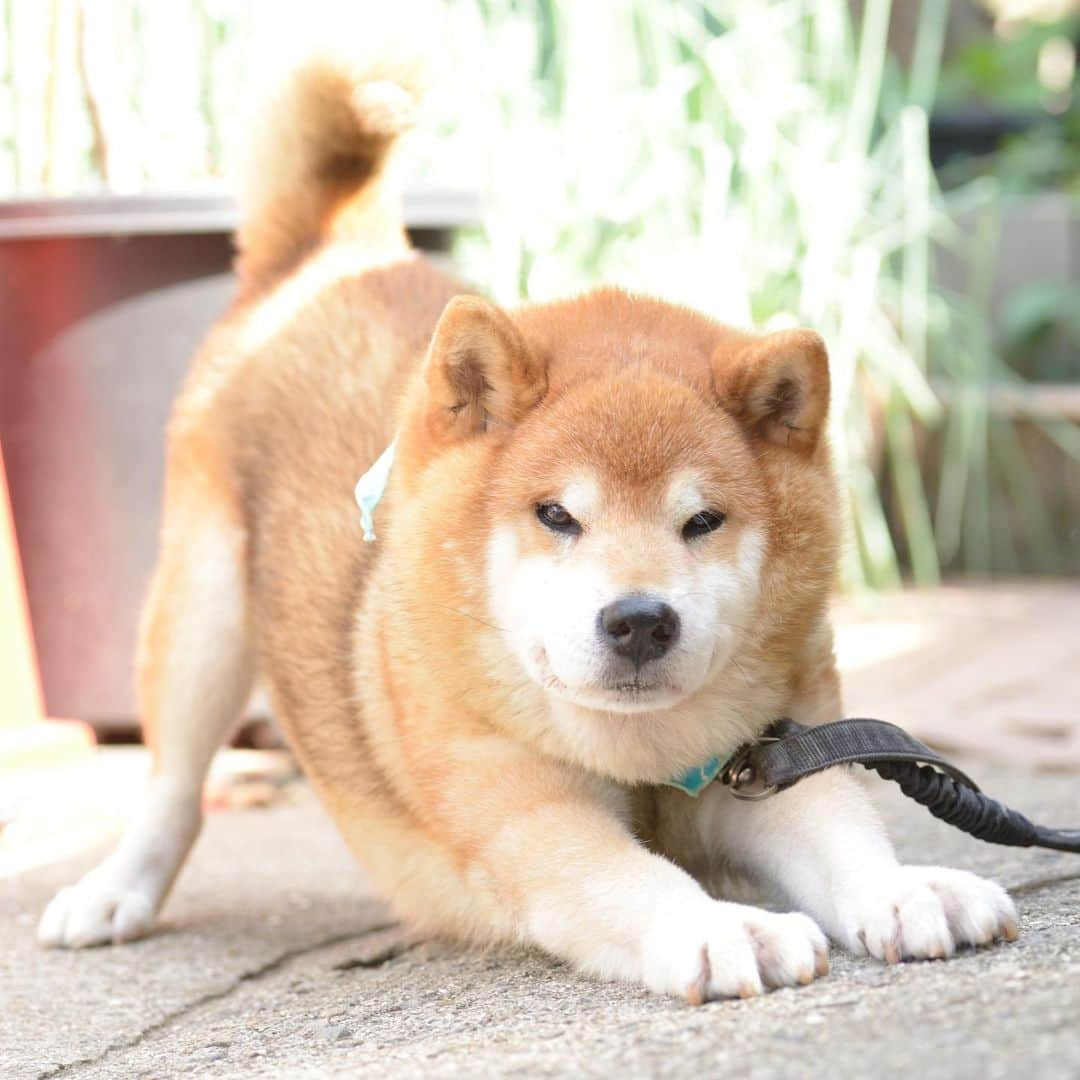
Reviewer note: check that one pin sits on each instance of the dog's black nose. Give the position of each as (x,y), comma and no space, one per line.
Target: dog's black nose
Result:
(639,628)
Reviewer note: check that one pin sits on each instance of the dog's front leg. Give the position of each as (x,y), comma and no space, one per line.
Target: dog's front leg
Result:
(821,846)
(550,846)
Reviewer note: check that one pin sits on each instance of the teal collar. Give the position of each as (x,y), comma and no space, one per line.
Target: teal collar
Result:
(694,781)
(370,489)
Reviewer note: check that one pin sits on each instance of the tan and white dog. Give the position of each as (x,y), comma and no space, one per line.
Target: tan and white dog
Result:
(604,558)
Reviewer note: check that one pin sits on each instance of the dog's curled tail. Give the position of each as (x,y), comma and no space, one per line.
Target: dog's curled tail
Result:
(314,167)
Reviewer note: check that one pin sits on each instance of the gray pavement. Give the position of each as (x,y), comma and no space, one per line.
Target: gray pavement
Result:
(274,960)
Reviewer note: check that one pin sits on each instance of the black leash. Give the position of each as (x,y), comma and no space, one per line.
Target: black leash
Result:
(788,752)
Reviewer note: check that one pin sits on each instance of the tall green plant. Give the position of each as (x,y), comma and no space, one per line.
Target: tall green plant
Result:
(744,159)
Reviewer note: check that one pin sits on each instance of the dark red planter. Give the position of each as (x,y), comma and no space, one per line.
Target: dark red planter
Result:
(102,302)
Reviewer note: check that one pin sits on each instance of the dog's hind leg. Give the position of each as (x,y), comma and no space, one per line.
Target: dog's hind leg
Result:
(195,674)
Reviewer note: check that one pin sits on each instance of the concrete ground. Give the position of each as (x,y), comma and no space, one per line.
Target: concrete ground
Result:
(274,959)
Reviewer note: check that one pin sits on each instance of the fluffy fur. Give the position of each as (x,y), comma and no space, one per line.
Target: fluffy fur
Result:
(480,741)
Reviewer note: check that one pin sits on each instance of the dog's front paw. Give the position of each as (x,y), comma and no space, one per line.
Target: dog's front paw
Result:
(923,913)
(709,950)
(100,909)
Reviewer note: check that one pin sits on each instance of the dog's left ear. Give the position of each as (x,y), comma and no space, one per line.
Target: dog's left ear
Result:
(777,386)
(479,371)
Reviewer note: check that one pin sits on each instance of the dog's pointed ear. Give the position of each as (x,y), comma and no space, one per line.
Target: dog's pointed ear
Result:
(777,387)
(479,371)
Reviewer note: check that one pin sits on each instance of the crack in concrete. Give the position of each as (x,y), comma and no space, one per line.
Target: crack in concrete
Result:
(189,1007)
(1029,887)
(380,957)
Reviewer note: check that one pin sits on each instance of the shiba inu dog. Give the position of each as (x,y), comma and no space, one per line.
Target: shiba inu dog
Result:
(603,559)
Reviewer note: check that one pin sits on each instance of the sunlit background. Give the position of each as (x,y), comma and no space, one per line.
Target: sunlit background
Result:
(865,170)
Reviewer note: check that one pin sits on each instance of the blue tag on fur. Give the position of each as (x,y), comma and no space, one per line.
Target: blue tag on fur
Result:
(694,781)
(370,489)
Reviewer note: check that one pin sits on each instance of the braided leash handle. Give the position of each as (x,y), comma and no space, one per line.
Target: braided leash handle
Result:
(972,811)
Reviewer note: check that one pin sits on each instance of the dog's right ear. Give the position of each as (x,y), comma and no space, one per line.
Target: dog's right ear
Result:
(479,373)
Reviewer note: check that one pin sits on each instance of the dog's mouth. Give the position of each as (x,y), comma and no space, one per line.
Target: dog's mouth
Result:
(636,687)
(617,695)
(622,698)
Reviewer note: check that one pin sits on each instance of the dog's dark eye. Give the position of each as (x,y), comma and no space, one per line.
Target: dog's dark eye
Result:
(558,519)
(706,522)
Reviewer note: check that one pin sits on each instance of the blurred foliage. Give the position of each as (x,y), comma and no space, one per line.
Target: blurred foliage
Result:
(1045,157)
(1032,316)
(769,164)
(1002,71)
(1001,76)
(765,161)
(122,95)
(1038,323)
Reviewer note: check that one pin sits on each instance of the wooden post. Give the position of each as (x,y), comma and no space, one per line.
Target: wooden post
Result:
(26,737)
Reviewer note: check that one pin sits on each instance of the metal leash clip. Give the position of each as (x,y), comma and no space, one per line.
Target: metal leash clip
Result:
(744,778)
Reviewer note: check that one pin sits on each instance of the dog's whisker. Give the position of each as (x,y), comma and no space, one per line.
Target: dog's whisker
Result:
(741,670)
(469,615)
